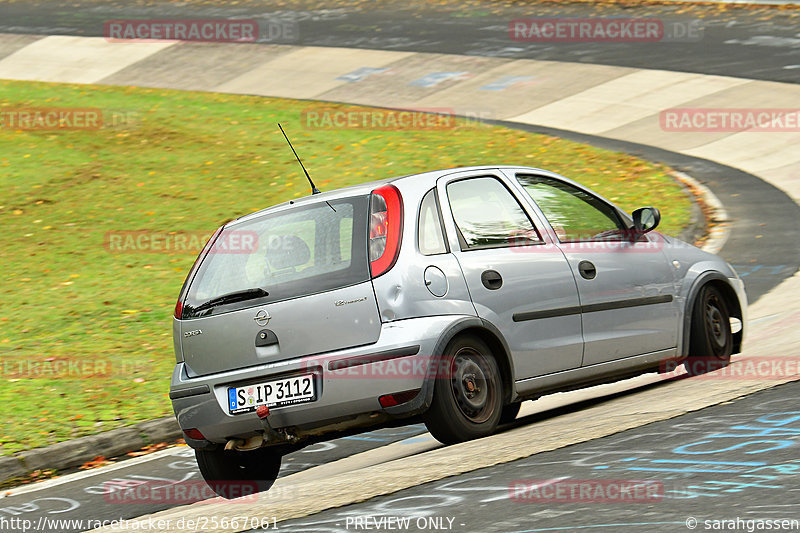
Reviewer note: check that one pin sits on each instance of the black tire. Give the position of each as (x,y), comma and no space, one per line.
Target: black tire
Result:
(232,474)
(510,412)
(711,338)
(467,394)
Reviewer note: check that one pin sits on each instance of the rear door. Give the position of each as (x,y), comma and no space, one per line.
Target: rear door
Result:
(517,279)
(626,287)
(301,286)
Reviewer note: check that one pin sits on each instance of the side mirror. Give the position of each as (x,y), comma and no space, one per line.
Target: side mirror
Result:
(646,219)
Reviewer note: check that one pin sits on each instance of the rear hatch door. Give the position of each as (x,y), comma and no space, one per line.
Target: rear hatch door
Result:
(281,285)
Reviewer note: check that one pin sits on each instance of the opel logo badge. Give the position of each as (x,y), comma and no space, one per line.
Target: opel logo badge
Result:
(262,318)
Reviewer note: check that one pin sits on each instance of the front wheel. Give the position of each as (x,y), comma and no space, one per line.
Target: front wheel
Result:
(467,394)
(510,412)
(711,338)
(232,474)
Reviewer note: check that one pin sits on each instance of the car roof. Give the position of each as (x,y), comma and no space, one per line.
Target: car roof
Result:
(368,187)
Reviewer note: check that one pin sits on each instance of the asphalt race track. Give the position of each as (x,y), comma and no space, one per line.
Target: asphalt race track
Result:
(736,460)
(757,43)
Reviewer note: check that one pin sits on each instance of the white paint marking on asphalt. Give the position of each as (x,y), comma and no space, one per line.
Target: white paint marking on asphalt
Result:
(76,476)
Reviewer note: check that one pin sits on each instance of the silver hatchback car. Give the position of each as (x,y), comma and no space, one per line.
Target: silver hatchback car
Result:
(452,295)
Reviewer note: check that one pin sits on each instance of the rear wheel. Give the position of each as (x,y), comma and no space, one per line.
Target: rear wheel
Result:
(232,474)
(711,340)
(468,393)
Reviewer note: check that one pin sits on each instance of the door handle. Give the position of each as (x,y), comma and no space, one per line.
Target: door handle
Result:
(266,337)
(492,279)
(587,270)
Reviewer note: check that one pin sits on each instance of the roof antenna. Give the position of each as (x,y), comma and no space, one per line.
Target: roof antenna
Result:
(314,189)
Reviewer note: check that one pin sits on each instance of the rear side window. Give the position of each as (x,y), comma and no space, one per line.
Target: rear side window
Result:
(292,253)
(488,216)
(574,214)
(430,234)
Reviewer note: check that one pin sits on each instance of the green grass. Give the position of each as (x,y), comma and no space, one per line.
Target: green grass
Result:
(190,162)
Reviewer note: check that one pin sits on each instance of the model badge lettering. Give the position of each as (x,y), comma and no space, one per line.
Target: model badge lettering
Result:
(339,303)
(193,333)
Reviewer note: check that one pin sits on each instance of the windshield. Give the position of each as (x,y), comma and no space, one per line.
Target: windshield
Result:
(284,255)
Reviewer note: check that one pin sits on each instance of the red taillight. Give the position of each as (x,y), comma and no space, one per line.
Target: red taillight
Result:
(194,433)
(385,228)
(178,309)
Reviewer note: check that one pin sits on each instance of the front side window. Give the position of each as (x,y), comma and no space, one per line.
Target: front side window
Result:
(574,214)
(488,216)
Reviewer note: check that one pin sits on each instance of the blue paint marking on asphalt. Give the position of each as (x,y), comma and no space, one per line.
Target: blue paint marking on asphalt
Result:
(620,524)
(731,463)
(360,74)
(435,78)
(770,270)
(746,438)
(505,82)
(370,439)
(645,469)
(689,462)
(776,445)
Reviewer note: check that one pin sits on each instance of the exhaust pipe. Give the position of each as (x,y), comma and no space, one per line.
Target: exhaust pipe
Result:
(245,445)
(270,435)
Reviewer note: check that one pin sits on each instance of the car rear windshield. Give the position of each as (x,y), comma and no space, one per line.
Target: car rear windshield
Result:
(292,253)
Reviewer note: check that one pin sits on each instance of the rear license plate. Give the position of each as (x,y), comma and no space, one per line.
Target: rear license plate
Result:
(275,393)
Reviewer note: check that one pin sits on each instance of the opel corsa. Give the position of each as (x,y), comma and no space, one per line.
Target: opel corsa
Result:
(450,295)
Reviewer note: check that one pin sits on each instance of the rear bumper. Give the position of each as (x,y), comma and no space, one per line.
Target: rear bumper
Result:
(348,383)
